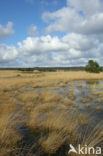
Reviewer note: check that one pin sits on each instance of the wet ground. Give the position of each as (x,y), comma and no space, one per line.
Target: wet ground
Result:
(87,97)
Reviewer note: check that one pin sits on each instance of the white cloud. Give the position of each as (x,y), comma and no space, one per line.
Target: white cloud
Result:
(89,7)
(79,16)
(7,30)
(80,42)
(72,49)
(33,30)
(82,20)
(41,44)
(7,53)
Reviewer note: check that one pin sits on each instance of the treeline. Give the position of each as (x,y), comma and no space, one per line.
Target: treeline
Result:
(45,69)
(92,67)
(52,69)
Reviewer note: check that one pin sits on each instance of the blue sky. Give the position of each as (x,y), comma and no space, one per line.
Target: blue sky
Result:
(23,13)
(50,32)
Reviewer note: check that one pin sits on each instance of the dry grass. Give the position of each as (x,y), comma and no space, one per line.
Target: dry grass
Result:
(28,97)
(95,136)
(47,96)
(83,119)
(98,108)
(79,86)
(44,102)
(50,114)
(88,105)
(56,129)
(53,141)
(71,96)
(83,100)
(67,102)
(45,79)
(8,136)
(90,97)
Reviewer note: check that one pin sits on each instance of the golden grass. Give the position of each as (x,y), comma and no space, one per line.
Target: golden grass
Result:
(50,114)
(47,96)
(28,97)
(8,136)
(83,119)
(46,107)
(71,96)
(88,105)
(45,79)
(53,142)
(95,136)
(44,102)
(98,108)
(57,127)
(57,121)
(90,97)
(83,100)
(79,86)
(67,102)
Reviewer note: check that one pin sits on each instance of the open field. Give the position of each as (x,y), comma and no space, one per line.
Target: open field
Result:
(42,113)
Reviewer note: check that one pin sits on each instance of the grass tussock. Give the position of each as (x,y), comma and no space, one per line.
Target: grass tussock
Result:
(53,141)
(44,79)
(80,86)
(90,97)
(83,100)
(56,130)
(9,138)
(83,119)
(98,108)
(50,97)
(59,130)
(28,97)
(71,96)
(50,118)
(8,135)
(67,102)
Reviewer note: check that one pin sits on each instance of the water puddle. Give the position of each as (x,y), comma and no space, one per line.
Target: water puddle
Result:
(88,96)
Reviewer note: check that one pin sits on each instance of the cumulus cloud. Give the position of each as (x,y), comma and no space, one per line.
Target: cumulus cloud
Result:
(89,7)
(82,20)
(7,30)
(7,54)
(41,44)
(33,30)
(72,49)
(79,16)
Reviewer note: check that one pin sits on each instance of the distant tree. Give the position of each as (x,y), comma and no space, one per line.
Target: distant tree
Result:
(93,67)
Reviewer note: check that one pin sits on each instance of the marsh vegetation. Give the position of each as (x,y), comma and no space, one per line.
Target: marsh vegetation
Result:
(41,113)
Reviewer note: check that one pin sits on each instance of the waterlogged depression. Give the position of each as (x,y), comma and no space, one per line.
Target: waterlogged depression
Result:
(86,95)
(53,116)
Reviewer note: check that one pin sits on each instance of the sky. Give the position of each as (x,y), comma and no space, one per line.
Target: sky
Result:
(50,33)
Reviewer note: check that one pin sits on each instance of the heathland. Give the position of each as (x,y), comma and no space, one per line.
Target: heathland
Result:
(42,113)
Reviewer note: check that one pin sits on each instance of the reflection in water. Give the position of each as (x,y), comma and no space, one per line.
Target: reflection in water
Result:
(92,82)
(88,96)
(94,85)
